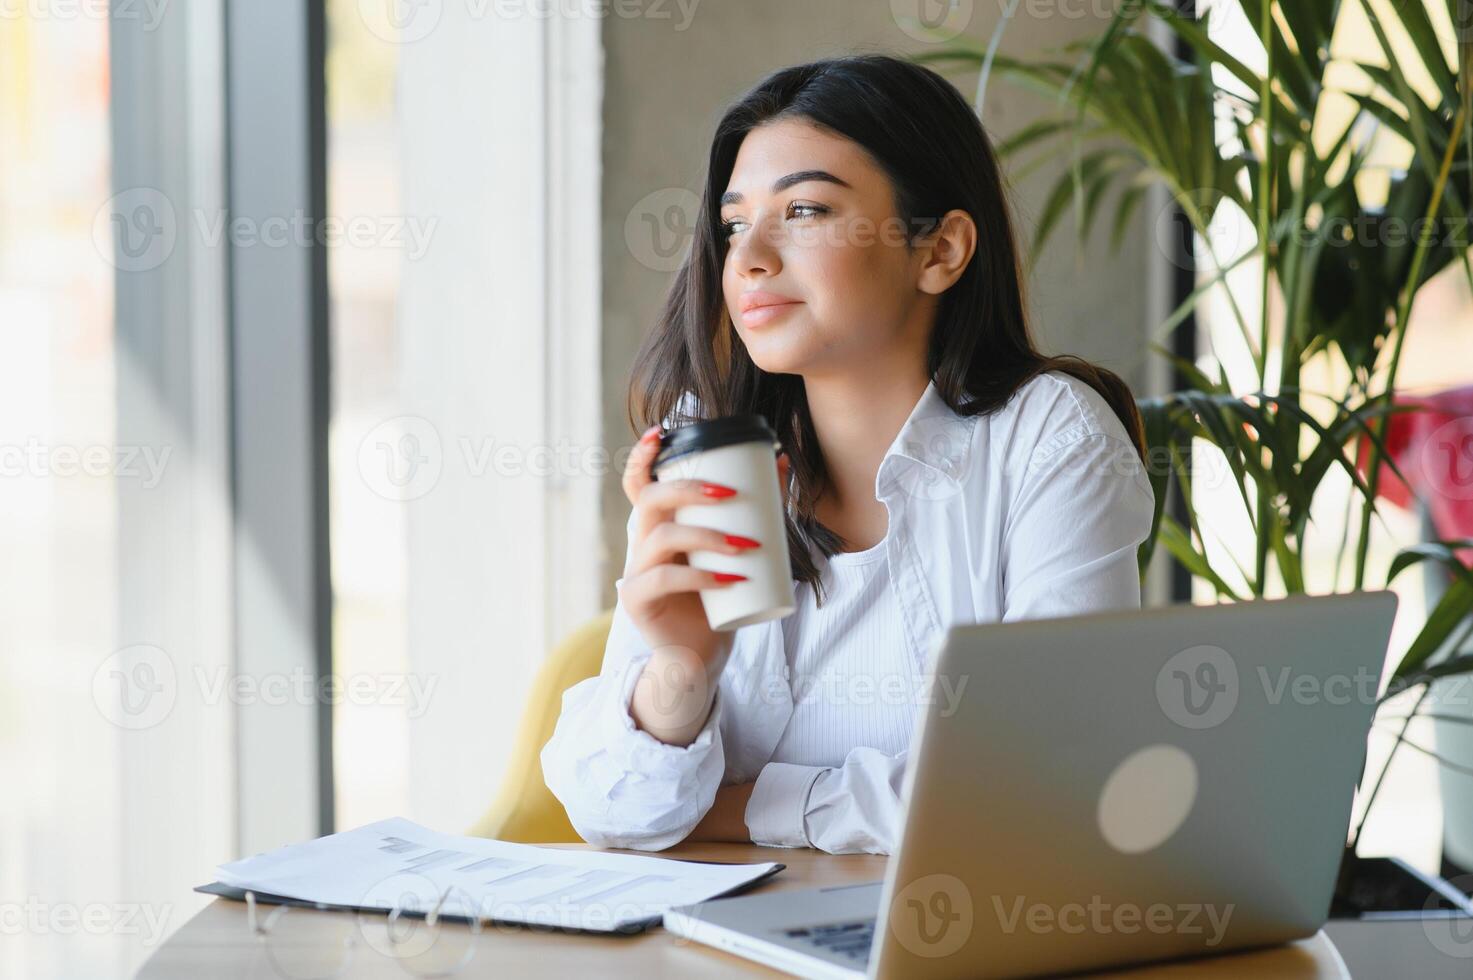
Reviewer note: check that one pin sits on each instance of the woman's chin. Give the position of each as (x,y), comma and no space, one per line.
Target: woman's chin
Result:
(777,352)
(777,361)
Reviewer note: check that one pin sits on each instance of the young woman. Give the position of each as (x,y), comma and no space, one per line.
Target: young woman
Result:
(854,278)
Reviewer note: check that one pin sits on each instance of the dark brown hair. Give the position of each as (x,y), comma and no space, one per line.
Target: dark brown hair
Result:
(928,140)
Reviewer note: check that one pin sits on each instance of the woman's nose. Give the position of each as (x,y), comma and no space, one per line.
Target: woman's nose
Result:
(755,251)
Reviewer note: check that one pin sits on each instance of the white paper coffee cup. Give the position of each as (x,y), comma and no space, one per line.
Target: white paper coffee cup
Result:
(737,451)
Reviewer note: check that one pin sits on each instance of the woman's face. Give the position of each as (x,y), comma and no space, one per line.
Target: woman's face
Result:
(810,223)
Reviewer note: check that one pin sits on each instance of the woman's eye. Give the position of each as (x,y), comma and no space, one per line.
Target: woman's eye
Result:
(795,210)
(812,209)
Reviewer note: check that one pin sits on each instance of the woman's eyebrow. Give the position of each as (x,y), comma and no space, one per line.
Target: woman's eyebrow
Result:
(783,183)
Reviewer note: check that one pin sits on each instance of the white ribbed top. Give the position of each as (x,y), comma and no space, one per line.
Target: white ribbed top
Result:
(847,665)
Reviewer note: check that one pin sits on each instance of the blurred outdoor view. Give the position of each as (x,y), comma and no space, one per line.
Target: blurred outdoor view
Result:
(371,740)
(1437,356)
(59,827)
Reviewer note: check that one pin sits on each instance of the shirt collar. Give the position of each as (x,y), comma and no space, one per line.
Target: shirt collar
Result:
(935,438)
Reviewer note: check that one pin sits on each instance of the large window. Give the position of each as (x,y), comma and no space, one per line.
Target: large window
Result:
(165,264)
(462,147)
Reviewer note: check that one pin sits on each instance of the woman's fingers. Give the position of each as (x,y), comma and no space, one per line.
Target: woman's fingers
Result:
(667,579)
(658,500)
(637,466)
(670,540)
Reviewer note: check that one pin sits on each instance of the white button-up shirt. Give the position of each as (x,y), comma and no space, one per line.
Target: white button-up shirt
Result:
(1033,511)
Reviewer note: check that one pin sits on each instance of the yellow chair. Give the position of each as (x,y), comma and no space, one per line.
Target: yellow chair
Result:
(525,811)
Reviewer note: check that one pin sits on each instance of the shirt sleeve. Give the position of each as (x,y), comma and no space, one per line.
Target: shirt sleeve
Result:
(1083,507)
(621,786)
(852,808)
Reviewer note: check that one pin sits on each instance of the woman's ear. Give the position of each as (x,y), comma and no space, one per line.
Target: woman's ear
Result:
(945,251)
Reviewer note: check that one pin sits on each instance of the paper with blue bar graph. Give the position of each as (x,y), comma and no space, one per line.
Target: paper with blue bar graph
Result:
(398,864)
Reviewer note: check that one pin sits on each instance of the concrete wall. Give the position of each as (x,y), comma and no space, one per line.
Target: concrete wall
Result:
(670,73)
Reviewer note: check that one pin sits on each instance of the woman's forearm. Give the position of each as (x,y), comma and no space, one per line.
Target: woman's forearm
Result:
(673,696)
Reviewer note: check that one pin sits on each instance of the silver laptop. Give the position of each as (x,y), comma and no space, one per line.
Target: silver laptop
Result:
(1103,790)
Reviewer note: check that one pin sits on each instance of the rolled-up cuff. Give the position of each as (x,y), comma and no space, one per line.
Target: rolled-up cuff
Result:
(778,804)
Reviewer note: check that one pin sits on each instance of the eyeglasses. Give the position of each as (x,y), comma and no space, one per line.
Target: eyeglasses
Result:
(313,947)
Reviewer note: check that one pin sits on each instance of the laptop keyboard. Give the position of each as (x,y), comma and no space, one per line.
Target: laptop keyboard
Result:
(851,940)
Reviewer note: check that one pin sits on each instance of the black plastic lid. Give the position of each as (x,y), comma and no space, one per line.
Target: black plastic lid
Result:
(712,434)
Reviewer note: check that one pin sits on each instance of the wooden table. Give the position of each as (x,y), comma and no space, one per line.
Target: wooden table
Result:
(217,943)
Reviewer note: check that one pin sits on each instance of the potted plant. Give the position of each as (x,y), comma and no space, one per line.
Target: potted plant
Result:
(1221,135)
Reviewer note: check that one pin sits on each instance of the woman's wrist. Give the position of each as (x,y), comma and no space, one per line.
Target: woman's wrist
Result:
(726,821)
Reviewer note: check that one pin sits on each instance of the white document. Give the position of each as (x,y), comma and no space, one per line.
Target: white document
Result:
(397,863)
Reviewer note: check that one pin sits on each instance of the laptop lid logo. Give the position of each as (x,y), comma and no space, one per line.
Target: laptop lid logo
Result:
(1147,798)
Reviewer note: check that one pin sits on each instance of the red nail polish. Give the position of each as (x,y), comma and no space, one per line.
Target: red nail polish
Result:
(717,490)
(741,542)
(729,577)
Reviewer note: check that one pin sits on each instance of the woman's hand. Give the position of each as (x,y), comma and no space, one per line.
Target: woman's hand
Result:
(726,821)
(661,593)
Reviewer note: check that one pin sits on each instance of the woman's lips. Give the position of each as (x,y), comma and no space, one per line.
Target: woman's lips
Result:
(759,315)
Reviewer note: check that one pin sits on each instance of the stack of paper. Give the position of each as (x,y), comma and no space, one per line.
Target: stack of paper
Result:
(399,864)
